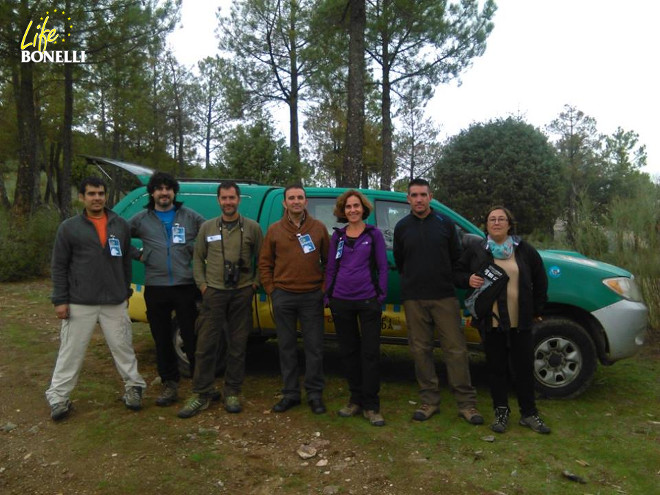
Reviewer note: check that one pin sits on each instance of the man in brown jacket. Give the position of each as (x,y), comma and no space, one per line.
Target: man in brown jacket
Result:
(291,265)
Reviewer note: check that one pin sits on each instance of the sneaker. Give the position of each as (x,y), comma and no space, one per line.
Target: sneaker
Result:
(349,410)
(374,417)
(424,412)
(195,404)
(133,398)
(501,419)
(471,415)
(169,394)
(232,404)
(60,410)
(535,423)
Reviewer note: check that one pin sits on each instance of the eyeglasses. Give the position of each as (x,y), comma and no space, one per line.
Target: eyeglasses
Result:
(498,220)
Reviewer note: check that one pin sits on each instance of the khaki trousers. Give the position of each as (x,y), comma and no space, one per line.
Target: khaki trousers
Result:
(424,318)
(74,338)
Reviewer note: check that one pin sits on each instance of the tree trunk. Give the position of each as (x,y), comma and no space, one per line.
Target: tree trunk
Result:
(4,199)
(22,77)
(64,177)
(207,137)
(352,165)
(387,171)
(294,138)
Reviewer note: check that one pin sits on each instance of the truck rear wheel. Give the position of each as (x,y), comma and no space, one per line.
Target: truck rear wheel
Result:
(182,358)
(564,358)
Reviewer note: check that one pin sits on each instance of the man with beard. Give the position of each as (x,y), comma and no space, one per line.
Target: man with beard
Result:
(168,231)
(224,270)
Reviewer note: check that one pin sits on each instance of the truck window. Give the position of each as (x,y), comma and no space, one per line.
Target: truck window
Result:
(321,209)
(388,213)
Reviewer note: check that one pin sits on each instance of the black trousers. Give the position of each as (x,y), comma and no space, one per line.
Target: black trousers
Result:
(358,326)
(514,346)
(161,301)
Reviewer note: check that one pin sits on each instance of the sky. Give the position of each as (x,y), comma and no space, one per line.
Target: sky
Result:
(599,56)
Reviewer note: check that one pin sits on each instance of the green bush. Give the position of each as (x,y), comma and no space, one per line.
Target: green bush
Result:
(25,247)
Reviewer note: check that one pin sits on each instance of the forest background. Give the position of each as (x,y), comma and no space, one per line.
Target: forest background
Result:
(355,77)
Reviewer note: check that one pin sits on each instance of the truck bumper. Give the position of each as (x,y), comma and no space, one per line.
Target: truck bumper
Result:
(624,324)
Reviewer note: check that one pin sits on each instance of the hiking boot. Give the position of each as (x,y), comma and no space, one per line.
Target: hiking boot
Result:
(471,415)
(535,423)
(424,412)
(501,419)
(60,410)
(232,404)
(285,404)
(317,406)
(133,398)
(374,417)
(194,405)
(169,394)
(349,410)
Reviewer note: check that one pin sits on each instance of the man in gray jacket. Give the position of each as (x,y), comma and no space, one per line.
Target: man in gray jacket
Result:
(91,273)
(168,231)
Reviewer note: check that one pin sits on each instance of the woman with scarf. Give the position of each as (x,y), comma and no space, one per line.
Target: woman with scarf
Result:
(507,330)
(356,285)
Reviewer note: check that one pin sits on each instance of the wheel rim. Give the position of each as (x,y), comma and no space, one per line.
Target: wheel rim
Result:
(557,362)
(178,347)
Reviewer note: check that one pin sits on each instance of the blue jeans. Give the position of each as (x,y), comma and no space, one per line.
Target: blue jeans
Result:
(288,309)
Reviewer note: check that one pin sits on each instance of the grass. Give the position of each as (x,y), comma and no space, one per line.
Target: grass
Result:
(609,436)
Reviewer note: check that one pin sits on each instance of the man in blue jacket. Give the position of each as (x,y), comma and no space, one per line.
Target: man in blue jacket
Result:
(168,231)
(91,273)
(426,250)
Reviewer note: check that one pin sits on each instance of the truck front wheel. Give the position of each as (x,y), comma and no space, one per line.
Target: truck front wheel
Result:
(564,358)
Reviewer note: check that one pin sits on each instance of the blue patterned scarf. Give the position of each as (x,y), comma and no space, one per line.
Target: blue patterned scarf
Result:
(501,251)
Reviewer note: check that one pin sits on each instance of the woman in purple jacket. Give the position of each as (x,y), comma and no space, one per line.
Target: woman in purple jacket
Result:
(356,285)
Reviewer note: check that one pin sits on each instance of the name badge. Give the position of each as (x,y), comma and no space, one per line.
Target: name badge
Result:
(213,238)
(115,246)
(306,243)
(178,235)
(340,249)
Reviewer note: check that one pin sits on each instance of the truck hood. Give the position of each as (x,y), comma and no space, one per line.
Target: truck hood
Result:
(558,257)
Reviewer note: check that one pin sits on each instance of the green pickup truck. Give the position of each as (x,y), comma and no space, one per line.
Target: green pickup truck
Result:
(594,311)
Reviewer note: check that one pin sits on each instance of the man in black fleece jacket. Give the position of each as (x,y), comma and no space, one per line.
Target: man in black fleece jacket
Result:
(426,249)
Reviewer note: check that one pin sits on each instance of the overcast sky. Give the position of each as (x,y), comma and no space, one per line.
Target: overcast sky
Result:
(600,56)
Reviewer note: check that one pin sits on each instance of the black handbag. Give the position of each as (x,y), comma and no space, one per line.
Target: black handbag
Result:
(480,302)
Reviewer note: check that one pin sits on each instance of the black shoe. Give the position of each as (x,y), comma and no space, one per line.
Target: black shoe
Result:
(285,404)
(501,419)
(317,406)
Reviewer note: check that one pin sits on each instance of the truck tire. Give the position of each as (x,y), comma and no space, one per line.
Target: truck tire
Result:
(182,358)
(565,358)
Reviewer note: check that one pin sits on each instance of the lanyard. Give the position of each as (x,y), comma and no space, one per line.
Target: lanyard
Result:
(222,238)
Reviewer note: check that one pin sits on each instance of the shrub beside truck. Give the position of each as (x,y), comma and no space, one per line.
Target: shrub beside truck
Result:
(594,313)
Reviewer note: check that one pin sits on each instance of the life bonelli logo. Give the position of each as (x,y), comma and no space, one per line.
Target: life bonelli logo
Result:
(36,40)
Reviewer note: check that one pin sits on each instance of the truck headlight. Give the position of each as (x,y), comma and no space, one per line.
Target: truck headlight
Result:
(625,287)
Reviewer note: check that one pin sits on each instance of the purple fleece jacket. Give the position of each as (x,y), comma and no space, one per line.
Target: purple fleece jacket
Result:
(354,279)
